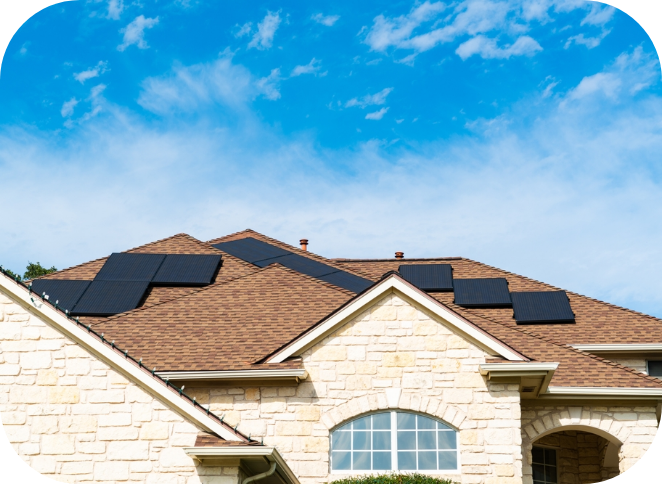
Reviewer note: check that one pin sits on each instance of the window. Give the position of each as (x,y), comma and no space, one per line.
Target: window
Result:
(655,368)
(544,465)
(394,441)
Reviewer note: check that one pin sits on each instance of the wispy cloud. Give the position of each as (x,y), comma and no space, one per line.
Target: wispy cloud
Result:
(599,15)
(269,86)
(377,115)
(242,30)
(311,68)
(96,71)
(488,48)
(376,99)
(115,9)
(589,42)
(266,30)
(68,107)
(134,33)
(327,20)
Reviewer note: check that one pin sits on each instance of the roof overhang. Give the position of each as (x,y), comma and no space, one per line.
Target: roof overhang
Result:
(533,377)
(394,283)
(293,375)
(620,348)
(115,360)
(602,393)
(253,459)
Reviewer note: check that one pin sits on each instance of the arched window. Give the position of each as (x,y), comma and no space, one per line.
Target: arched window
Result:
(394,441)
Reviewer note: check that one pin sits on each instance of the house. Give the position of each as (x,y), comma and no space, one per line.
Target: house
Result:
(245,359)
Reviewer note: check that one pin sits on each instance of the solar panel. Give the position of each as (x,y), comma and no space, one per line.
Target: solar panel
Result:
(251,250)
(542,307)
(66,293)
(428,277)
(301,264)
(130,267)
(187,269)
(477,293)
(104,298)
(347,281)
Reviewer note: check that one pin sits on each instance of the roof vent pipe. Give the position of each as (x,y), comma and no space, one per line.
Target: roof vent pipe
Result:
(399,255)
(304,244)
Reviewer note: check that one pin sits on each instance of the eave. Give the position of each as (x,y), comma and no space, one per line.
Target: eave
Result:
(284,375)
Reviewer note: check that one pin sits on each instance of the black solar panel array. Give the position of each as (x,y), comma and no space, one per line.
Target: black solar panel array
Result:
(66,293)
(428,277)
(477,293)
(103,298)
(542,307)
(262,254)
(130,267)
(187,270)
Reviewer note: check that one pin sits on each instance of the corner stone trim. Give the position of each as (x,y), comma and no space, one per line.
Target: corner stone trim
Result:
(408,401)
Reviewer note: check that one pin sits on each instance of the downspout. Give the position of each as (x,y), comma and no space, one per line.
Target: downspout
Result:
(257,477)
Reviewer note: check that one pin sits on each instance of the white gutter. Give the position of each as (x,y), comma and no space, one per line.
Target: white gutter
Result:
(604,392)
(517,369)
(242,452)
(295,374)
(112,358)
(635,347)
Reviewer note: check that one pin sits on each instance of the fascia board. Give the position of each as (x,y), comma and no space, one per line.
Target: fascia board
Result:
(626,348)
(389,284)
(603,392)
(524,367)
(113,359)
(295,374)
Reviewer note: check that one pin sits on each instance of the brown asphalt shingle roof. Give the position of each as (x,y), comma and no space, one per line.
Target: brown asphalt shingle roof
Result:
(226,326)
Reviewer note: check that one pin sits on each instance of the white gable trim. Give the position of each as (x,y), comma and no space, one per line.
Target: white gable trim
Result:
(391,284)
(612,348)
(117,362)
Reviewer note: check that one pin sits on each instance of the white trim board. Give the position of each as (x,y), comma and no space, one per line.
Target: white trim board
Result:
(104,353)
(625,348)
(605,392)
(394,283)
(284,374)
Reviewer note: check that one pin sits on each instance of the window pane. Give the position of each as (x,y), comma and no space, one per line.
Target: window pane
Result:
(406,421)
(381,461)
(341,461)
(361,461)
(407,461)
(538,472)
(347,426)
(341,440)
(443,426)
(427,441)
(426,423)
(381,421)
(362,423)
(448,460)
(550,457)
(381,440)
(538,455)
(447,440)
(655,368)
(406,440)
(550,474)
(427,461)
(361,440)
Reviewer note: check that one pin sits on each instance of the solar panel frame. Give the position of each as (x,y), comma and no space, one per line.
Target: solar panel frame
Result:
(105,298)
(347,281)
(428,277)
(301,264)
(125,266)
(187,270)
(65,292)
(251,250)
(482,293)
(543,307)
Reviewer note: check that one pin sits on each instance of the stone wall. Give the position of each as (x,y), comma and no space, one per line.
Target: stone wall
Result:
(71,417)
(391,356)
(633,428)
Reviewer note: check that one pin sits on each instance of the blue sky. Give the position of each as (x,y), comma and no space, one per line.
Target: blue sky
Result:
(524,134)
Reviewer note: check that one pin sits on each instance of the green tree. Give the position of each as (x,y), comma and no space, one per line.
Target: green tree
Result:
(34,270)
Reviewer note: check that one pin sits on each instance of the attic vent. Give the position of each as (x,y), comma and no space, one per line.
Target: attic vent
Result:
(528,389)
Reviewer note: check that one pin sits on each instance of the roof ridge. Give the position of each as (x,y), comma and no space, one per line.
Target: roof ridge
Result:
(296,250)
(566,346)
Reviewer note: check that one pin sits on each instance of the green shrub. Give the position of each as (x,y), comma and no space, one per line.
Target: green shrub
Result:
(394,479)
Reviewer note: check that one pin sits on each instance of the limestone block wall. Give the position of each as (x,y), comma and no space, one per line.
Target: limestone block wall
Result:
(391,356)
(633,428)
(71,417)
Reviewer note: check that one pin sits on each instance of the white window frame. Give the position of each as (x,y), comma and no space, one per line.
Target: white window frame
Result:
(394,446)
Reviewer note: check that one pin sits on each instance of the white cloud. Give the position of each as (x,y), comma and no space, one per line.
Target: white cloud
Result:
(266,30)
(134,33)
(96,71)
(115,9)
(370,99)
(488,48)
(589,42)
(68,107)
(268,86)
(311,68)
(377,115)
(242,30)
(327,20)
(599,15)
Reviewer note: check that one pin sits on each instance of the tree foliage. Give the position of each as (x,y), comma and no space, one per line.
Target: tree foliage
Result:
(34,270)
(394,479)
